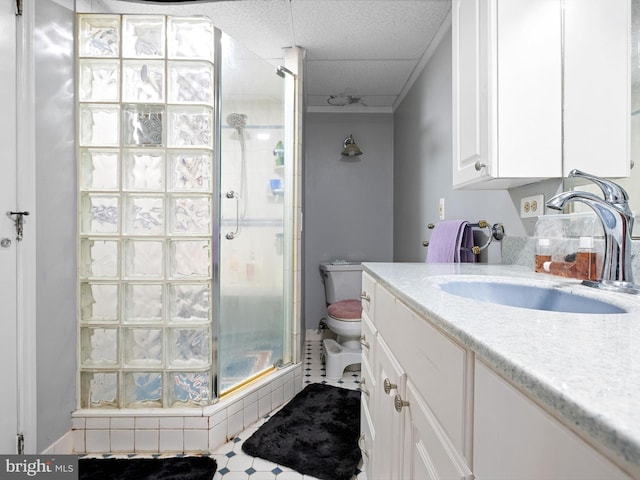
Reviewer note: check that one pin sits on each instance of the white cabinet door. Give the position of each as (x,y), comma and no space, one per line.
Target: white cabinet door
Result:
(529,88)
(515,439)
(472,90)
(597,80)
(388,423)
(507,86)
(367,440)
(429,454)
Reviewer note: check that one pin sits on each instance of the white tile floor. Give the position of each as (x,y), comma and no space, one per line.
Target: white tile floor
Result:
(234,464)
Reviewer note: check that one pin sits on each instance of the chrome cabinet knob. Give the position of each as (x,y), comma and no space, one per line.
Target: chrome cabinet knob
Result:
(479,165)
(364,296)
(5,243)
(388,386)
(398,403)
(363,342)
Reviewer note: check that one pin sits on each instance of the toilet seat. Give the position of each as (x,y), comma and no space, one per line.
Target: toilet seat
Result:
(346,310)
(344,319)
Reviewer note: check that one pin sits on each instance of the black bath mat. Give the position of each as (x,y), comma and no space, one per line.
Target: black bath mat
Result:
(316,433)
(168,468)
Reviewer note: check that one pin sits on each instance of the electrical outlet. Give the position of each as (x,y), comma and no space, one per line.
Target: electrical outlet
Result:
(532,206)
(441,209)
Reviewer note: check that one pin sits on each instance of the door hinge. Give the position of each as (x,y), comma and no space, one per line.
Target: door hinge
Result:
(18,7)
(20,444)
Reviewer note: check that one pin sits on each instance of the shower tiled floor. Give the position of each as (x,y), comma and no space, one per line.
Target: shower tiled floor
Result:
(234,464)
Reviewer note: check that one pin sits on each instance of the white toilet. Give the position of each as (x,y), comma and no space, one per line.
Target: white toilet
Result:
(342,288)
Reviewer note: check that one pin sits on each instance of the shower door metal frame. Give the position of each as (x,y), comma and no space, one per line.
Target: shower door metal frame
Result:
(288,101)
(215,209)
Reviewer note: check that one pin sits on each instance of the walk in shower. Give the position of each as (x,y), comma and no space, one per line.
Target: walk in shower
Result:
(185,252)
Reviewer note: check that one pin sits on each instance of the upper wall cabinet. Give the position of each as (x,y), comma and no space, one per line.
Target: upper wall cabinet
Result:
(597,93)
(507,71)
(510,90)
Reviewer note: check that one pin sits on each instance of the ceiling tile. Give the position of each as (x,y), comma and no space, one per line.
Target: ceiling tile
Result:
(366,29)
(363,47)
(365,77)
(264,27)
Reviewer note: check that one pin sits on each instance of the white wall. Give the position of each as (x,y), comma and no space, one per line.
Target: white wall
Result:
(423,169)
(348,203)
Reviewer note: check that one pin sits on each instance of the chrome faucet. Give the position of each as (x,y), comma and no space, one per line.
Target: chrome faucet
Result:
(617,221)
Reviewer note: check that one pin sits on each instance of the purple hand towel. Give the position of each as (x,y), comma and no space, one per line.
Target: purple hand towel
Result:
(445,242)
(465,254)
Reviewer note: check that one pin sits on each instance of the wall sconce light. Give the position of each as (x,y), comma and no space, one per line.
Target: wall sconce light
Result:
(351,148)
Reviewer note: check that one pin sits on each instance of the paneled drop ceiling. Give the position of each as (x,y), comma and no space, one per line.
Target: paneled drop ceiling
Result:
(363,51)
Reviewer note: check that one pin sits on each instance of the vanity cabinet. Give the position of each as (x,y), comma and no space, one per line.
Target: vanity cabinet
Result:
(431,409)
(538,90)
(415,410)
(514,438)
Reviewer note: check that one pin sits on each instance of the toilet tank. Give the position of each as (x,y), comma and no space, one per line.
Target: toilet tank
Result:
(342,281)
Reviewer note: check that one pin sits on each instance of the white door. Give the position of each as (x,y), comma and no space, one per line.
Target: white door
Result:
(8,252)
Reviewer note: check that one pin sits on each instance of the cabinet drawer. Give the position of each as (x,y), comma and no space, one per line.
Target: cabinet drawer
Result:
(368,340)
(368,293)
(368,385)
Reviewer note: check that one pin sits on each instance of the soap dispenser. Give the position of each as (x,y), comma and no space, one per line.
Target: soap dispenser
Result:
(543,254)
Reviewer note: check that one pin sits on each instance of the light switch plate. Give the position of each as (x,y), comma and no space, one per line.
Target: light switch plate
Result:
(532,206)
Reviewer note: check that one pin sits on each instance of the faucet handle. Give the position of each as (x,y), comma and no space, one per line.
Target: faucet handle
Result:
(613,193)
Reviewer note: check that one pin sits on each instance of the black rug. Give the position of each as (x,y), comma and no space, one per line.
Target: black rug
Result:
(169,468)
(316,433)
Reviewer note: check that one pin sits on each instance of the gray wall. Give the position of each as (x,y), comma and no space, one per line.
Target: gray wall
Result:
(55,219)
(348,203)
(423,169)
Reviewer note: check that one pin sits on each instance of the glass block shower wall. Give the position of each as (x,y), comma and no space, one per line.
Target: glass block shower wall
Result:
(145,120)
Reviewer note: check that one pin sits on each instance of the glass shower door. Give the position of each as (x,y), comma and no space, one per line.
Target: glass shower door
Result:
(252,327)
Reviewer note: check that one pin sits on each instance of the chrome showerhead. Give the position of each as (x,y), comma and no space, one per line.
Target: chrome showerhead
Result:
(237,121)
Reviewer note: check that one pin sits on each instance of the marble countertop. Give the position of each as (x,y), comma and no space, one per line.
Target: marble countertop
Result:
(585,368)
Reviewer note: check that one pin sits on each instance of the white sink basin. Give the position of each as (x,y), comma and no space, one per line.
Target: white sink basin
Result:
(528,296)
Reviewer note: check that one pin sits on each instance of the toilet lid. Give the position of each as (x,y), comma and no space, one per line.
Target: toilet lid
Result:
(348,310)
